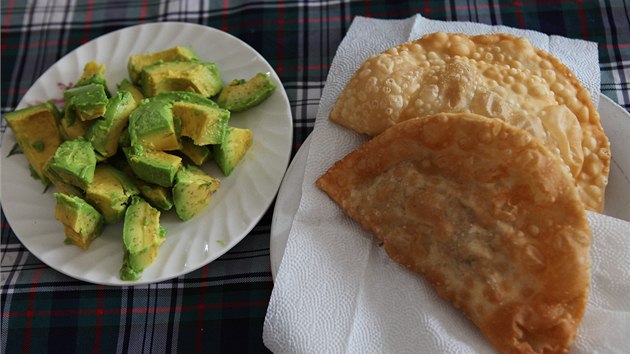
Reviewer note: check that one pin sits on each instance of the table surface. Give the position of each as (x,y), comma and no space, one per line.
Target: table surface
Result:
(221,307)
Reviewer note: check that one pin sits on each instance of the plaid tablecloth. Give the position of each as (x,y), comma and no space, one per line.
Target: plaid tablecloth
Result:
(221,307)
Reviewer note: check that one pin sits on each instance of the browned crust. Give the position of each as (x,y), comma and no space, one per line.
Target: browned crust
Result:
(486,214)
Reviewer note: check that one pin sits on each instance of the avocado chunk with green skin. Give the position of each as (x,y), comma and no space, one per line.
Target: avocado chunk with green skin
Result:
(88,101)
(142,236)
(192,191)
(82,222)
(236,143)
(71,126)
(127,86)
(151,125)
(59,184)
(36,131)
(195,153)
(201,77)
(137,62)
(93,73)
(74,162)
(240,95)
(110,191)
(185,96)
(204,125)
(157,167)
(105,132)
(158,196)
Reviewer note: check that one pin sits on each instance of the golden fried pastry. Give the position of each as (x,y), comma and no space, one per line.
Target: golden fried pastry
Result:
(486,213)
(495,75)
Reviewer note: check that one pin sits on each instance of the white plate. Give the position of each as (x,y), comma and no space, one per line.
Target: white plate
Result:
(235,208)
(616,123)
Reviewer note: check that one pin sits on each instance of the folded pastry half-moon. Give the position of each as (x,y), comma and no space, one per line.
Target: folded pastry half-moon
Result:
(486,213)
(495,75)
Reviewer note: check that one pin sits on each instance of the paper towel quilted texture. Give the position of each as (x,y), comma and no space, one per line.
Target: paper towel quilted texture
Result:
(336,291)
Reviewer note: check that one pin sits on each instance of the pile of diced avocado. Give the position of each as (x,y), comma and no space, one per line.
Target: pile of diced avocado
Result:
(128,156)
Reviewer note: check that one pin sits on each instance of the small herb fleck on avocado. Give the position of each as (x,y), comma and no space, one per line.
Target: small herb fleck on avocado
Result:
(39,145)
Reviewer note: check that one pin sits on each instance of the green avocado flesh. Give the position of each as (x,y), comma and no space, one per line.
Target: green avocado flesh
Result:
(110,191)
(152,166)
(201,77)
(236,143)
(74,162)
(105,132)
(192,191)
(87,102)
(82,222)
(127,86)
(240,95)
(36,132)
(137,62)
(152,126)
(142,236)
(204,125)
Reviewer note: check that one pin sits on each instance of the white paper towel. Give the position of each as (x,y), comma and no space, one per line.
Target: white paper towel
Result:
(337,291)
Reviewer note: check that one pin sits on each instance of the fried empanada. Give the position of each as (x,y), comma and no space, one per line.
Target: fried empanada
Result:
(486,213)
(495,75)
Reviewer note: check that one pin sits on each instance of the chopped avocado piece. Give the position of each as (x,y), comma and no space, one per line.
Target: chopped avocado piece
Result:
(192,191)
(205,125)
(87,102)
(151,125)
(36,132)
(156,167)
(201,77)
(74,162)
(71,127)
(105,132)
(142,236)
(110,191)
(158,196)
(137,62)
(93,73)
(237,141)
(196,153)
(126,85)
(59,184)
(240,95)
(82,222)
(185,96)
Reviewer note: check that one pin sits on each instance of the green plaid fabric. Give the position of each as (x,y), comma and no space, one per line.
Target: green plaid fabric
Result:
(221,307)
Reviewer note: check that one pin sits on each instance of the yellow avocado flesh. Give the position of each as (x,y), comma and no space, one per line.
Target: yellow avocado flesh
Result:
(142,236)
(72,127)
(35,130)
(137,62)
(204,125)
(196,153)
(239,95)
(152,126)
(110,191)
(236,143)
(156,167)
(82,221)
(192,191)
(74,162)
(203,78)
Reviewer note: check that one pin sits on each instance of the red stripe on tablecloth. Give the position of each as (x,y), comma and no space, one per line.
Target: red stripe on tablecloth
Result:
(201,307)
(139,310)
(224,15)
(619,45)
(88,21)
(29,312)
(426,10)
(99,321)
(519,13)
(583,19)
(143,11)
(366,8)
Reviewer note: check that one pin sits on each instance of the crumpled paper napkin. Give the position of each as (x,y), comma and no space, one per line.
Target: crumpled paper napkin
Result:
(336,290)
